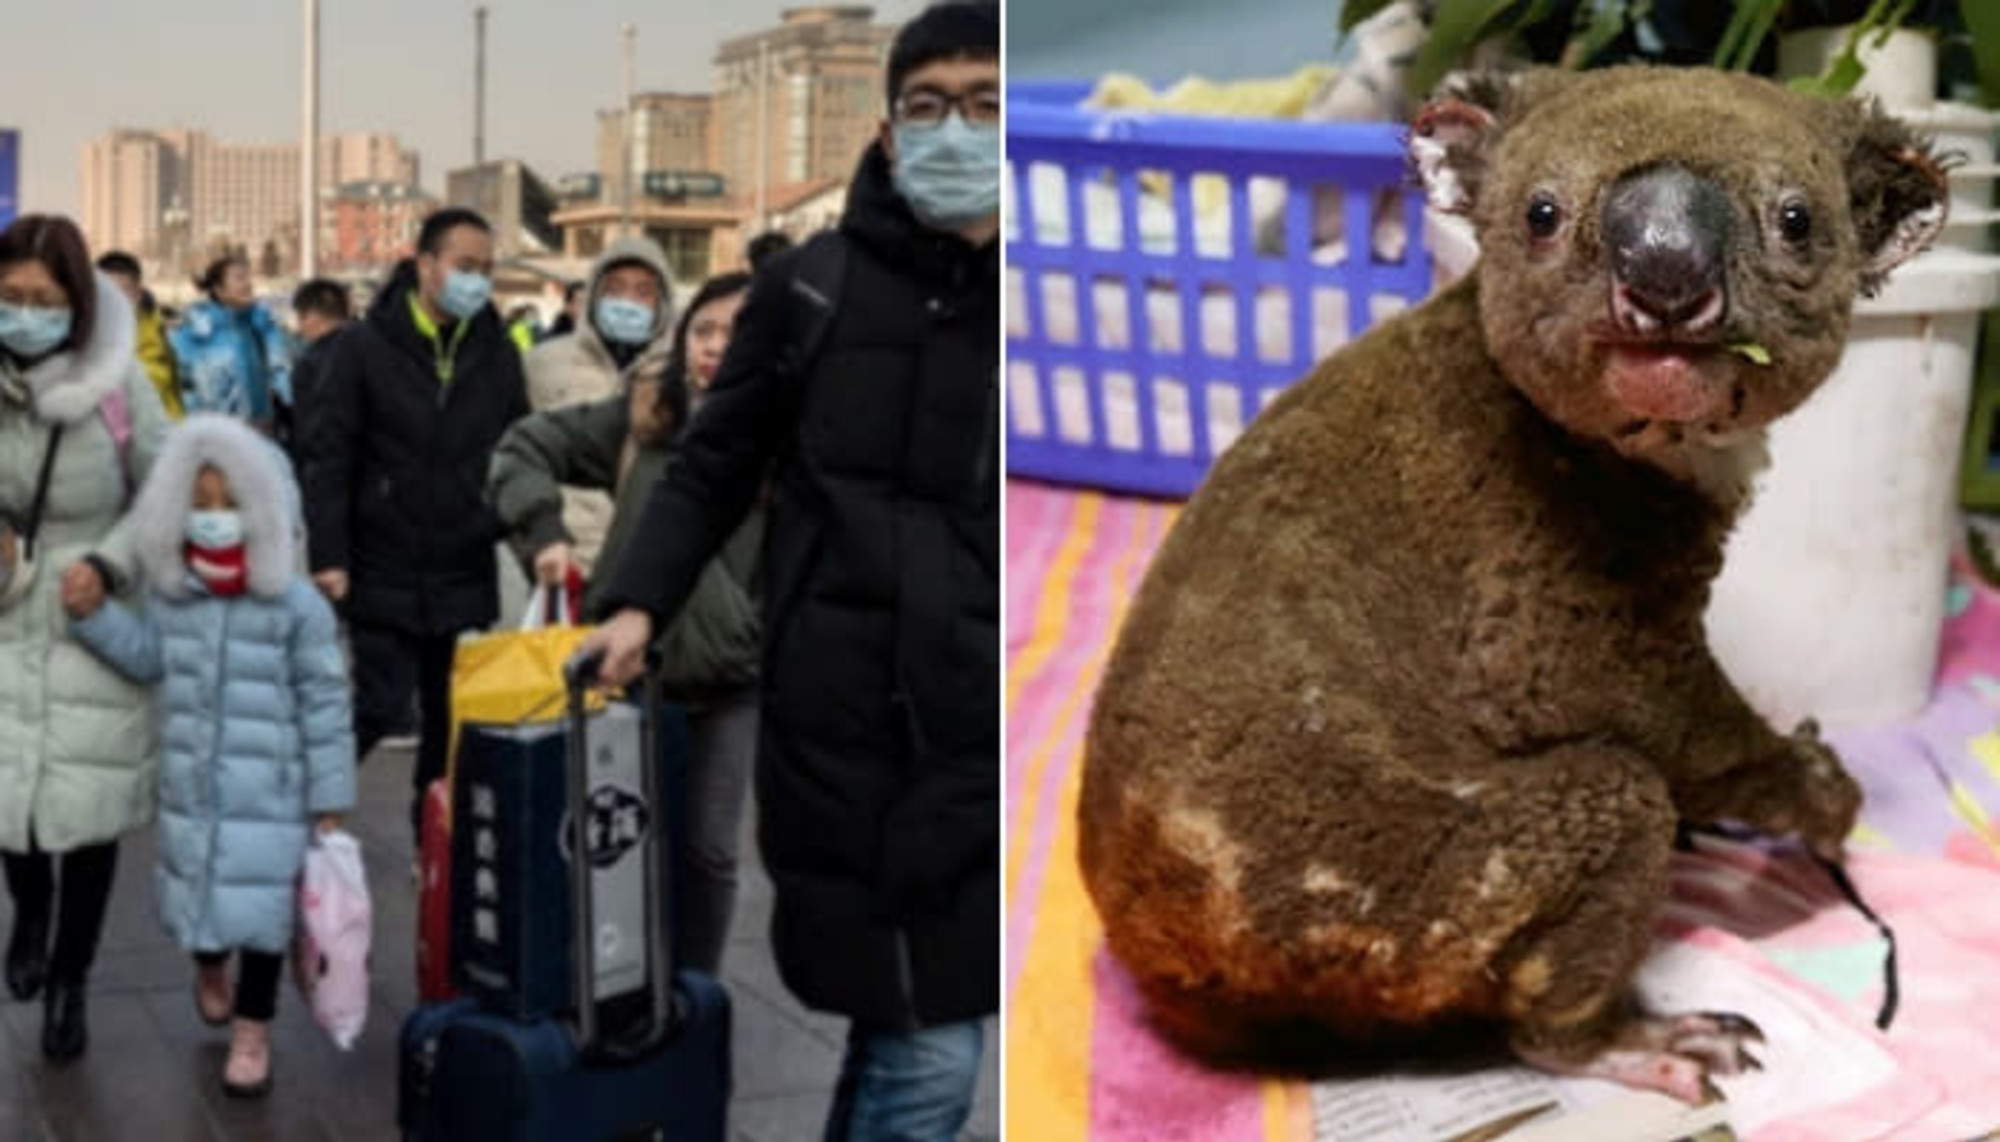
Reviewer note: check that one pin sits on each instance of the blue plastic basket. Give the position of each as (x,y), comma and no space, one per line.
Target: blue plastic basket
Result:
(1150,315)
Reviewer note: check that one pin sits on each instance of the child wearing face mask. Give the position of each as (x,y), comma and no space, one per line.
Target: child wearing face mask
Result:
(258,742)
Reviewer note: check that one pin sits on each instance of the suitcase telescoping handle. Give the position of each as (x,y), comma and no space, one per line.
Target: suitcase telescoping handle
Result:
(580,674)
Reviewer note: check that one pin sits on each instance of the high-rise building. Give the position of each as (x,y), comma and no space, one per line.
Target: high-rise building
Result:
(808,94)
(669,133)
(127,186)
(241,196)
(179,196)
(365,157)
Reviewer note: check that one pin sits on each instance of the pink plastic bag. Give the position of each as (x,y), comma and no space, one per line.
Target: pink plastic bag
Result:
(330,952)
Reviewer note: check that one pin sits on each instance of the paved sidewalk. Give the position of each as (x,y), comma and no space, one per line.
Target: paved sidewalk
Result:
(152,1074)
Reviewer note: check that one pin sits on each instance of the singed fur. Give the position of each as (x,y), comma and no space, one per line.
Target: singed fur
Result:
(1402,720)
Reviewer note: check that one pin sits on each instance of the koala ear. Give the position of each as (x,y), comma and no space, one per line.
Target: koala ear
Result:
(1897,193)
(1449,137)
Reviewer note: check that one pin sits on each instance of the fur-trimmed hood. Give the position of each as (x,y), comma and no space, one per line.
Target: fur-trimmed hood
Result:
(258,479)
(69,386)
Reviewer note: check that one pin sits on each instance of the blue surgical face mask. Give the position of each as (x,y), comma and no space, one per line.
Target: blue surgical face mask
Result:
(215,529)
(465,294)
(31,331)
(626,322)
(949,172)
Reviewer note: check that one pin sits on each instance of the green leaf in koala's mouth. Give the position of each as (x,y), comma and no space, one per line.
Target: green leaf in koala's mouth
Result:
(1757,354)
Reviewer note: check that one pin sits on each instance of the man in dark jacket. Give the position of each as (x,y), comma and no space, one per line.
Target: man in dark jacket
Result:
(322,308)
(878,767)
(395,439)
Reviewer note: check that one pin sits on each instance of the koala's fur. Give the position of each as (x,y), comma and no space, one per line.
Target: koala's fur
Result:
(1402,720)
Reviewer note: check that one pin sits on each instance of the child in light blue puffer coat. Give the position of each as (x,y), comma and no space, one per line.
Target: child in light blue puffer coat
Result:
(257,738)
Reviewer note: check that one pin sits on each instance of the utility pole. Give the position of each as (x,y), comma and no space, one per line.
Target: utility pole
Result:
(631,36)
(309,152)
(763,128)
(479,86)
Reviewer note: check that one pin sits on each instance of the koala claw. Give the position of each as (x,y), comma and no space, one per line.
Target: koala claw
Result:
(1674,1055)
(1721,1022)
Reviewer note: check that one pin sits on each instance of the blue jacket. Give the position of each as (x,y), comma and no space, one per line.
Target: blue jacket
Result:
(232,362)
(257,733)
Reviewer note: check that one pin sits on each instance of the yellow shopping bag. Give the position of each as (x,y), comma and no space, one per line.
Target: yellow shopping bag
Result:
(515,677)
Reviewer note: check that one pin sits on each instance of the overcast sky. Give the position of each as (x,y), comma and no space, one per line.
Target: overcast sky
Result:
(74,69)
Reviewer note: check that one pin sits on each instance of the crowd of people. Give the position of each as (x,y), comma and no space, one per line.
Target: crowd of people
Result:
(234,556)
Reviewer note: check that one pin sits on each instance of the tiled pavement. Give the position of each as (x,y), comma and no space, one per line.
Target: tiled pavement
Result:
(152,1073)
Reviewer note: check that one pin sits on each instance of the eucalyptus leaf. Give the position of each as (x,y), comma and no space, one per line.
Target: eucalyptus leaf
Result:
(1538,11)
(1841,76)
(1457,28)
(1607,20)
(1354,12)
(1846,70)
(1982,21)
(1763,14)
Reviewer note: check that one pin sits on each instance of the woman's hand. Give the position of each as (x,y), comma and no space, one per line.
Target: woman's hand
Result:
(82,590)
(552,564)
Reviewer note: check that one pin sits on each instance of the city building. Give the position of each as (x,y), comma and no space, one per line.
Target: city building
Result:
(128,181)
(669,133)
(366,157)
(806,96)
(238,197)
(802,211)
(515,200)
(688,213)
(177,197)
(369,226)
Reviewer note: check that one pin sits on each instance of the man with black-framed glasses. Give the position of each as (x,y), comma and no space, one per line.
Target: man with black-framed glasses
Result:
(864,378)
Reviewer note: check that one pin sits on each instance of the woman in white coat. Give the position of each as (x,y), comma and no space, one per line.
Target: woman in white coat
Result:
(80,424)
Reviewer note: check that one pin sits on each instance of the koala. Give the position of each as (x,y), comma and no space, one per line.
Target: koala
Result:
(1402,722)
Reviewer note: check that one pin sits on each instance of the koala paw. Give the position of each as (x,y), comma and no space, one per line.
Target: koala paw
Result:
(1825,799)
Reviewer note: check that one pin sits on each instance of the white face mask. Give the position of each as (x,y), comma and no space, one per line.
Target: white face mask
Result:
(465,294)
(623,321)
(215,530)
(31,331)
(949,172)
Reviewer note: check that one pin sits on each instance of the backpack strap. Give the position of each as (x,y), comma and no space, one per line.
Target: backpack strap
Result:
(817,283)
(117,417)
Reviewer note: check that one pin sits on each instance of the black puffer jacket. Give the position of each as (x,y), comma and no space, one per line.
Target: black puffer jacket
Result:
(879,758)
(393,460)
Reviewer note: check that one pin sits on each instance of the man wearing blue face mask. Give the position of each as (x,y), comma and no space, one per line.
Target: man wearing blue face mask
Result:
(865,368)
(627,329)
(394,442)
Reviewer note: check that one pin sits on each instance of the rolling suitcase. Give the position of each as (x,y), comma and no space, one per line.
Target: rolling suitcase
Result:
(650,1063)
(510,934)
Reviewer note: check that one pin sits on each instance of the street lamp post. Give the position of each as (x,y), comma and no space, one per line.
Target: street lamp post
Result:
(763,127)
(631,36)
(309,156)
(479,86)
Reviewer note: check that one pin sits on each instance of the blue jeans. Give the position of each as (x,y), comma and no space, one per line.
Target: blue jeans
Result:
(906,1086)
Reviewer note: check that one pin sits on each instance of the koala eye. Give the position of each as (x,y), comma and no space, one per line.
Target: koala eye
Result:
(1795,221)
(1544,216)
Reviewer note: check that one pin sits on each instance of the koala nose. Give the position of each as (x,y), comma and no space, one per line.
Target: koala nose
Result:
(1667,230)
